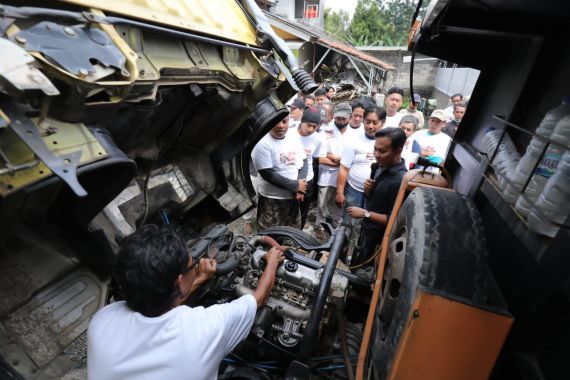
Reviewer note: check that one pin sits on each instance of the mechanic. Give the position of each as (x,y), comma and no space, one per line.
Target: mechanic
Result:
(152,334)
(380,193)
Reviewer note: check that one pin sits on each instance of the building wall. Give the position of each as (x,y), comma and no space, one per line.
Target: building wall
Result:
(425,69)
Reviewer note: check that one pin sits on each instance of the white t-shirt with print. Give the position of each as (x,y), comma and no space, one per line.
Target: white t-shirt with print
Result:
(333,142)
(285,156)
(184,343)
(393,121)
(358,155)
(432,145)
(312,146)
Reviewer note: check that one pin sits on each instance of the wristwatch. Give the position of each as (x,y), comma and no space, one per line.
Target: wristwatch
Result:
(366,214)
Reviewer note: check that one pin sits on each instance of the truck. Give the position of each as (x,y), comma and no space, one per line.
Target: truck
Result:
(118,114)
(519,327)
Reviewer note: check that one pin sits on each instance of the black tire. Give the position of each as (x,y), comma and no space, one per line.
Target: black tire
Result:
(283,233)
(437,244)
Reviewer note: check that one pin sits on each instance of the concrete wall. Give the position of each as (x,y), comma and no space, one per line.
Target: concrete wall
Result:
(425,69)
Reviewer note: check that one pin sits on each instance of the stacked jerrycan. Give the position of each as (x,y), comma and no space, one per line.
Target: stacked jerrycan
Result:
(555,126)
(553,205)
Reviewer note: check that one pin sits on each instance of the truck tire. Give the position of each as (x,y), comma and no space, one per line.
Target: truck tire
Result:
(437,243)
(291,236)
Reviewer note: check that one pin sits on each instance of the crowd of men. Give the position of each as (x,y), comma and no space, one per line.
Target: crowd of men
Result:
(323,155)
(349,157)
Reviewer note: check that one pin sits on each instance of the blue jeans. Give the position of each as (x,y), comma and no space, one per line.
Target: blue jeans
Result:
(352,197)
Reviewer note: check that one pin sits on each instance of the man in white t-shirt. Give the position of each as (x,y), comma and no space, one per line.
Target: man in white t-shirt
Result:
(311,143)
(433,143)
(296,112)
(455,99)
(357,157)
(333,136)
(281,163)
(393,102)
(152,334)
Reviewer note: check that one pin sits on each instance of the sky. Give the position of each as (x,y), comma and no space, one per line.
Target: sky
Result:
(347,5)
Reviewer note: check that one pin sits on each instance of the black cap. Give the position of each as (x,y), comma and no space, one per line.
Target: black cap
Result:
(298,103)
(311,115)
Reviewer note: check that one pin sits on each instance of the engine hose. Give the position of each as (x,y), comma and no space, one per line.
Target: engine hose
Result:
(344,345)
(227,266)
(267,240)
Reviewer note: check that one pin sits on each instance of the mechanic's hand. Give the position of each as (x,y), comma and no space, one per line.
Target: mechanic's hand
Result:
(356,212)
(340,199)
(206,268)
(302,188)
(273,257)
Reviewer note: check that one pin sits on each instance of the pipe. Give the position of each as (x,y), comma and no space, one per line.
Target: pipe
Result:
(344,345)
(267,240)
(301,78)
(310,337)
(227,266)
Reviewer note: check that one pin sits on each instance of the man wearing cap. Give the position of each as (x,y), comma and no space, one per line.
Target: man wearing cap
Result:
(282,165)
(296,112)
(311,143)
(412,109)
(334,136)
(432,141)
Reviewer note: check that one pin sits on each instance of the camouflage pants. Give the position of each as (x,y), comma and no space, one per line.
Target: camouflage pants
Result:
(277,212)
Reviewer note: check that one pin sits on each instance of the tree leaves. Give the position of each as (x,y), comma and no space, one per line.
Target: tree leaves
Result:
(375,23)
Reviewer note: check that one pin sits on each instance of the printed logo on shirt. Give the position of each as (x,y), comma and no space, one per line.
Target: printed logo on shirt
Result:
(287,158)
(329,134)
(308,152)
(370,156)
(427,150)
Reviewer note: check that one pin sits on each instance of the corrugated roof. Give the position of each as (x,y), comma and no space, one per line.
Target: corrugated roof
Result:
(321,37)
(347,49)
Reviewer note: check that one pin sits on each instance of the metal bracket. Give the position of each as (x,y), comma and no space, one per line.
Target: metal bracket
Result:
(64,166)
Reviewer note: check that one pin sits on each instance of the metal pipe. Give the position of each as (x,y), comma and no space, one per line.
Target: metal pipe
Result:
(310,336)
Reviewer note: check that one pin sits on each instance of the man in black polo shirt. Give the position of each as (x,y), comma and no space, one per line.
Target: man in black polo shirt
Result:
(380,193)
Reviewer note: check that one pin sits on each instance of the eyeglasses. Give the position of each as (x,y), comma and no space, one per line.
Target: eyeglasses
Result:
(195,265)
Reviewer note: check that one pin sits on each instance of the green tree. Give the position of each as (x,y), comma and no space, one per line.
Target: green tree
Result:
(398,13)
(368,26)
(336,23)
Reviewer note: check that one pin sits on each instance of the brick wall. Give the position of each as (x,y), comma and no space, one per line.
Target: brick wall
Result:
(425,69)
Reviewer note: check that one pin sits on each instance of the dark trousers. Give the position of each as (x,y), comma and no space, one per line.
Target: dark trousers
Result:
(306,203)
(368,241)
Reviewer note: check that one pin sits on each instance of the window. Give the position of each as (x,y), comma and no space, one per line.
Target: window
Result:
(311,11)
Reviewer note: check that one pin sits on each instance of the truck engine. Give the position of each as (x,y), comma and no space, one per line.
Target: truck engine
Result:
(282,324)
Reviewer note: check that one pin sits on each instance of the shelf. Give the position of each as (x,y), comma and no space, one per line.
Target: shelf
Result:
(536,244)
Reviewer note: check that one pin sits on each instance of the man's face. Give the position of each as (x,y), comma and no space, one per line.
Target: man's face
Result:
(408,128)
(356,117)
(435,125)
(455,100)
(340,120)
(372,124)
(393,102)
(330,93)
(321,99)
(458,113)
(307,129)
(295,113)
(383,152)
(309,102)
(280,130)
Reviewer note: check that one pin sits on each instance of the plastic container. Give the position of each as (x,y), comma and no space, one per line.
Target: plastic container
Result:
(546,168)
(554,201)
(524,168)
(506,158)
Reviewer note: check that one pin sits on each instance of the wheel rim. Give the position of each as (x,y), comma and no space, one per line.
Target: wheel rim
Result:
(392,282)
